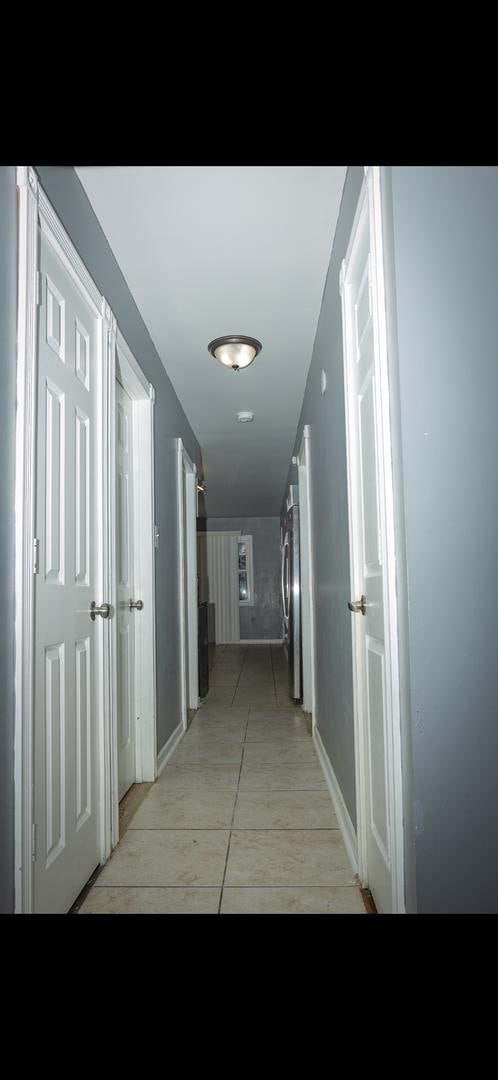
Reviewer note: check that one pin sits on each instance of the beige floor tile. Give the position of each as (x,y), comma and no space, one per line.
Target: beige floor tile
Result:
(201,808)
(223,678)
(205,751)
(222,712)
(286,728)
(205,734)
(322,900)
(284,810)
(246,697)
(287,857)
(221,695)
(275,712)
(225,667)
(253,679)
(168,857)
(216,727)
(281,778)
(279,752)
(127,900)
(190,777)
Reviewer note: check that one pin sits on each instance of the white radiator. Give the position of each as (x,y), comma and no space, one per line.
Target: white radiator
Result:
(222,568)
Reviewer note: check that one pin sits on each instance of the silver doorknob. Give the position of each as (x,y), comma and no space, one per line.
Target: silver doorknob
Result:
(358,605)
(103,609)
(138,604)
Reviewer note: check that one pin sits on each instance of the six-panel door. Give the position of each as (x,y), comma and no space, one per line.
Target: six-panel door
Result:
(66,798)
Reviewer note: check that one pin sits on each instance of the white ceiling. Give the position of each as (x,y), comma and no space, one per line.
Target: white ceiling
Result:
(212,250)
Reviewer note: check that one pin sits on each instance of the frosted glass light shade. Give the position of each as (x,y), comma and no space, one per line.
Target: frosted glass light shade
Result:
(235,351)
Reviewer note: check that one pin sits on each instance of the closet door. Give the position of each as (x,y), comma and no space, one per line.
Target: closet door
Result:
(66,796)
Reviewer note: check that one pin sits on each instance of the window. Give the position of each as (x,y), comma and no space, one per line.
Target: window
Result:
(245,570)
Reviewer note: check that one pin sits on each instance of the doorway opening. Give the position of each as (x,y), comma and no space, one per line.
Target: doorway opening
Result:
(133,719)
(187,576)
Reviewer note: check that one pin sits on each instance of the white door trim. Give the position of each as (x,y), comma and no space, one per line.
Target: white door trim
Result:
(142,394)
(307,575)
(27,185)
(187,554)
(369,206)
(34,209)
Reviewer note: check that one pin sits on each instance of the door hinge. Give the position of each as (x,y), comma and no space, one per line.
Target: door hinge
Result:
(36,555)
(38,287)
(33,843)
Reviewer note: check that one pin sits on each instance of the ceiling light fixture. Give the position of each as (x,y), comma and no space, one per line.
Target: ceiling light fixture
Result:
(235,350)
(245,417)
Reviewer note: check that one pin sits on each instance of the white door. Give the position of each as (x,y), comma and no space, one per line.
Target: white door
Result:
(66,792)
(307,586)
(125,650)
(370,530)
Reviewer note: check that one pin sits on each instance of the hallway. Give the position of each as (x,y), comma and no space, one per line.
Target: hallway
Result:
(240,820)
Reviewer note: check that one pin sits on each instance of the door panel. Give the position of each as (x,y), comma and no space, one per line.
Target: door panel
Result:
(66,811)
(370,630)
(126,718)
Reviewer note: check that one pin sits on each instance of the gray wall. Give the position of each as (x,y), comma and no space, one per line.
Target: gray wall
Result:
(445,243)
(441,233)
(69,200)
(325,414)
(264,618)
(8,300)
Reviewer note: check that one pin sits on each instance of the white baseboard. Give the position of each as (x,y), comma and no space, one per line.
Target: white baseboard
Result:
(341,811)
(261,641)
(167,750)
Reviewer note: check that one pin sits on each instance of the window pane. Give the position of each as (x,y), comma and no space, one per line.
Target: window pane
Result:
(242,562)
(243,594)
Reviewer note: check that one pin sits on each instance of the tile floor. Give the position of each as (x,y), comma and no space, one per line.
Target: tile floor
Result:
(240,820)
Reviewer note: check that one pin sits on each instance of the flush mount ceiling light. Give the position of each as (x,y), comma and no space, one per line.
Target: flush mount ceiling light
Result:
(235,350)
(245,417)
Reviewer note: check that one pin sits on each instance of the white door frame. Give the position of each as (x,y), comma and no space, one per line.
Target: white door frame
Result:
(307,575)
(36,210)
(369,205)
(187,554)
(142,394)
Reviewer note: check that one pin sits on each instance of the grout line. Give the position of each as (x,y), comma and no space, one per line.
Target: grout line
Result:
(243,828)
(338,886)
(233,816)
(273,673)
(238,680)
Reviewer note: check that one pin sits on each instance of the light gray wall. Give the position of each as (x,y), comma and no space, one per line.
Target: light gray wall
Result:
(8,300)
(441,239)
(325,414)
(264,618)
(445,243)
(70,201)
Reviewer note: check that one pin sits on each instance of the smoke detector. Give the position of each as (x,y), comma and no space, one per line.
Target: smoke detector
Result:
(245,417)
